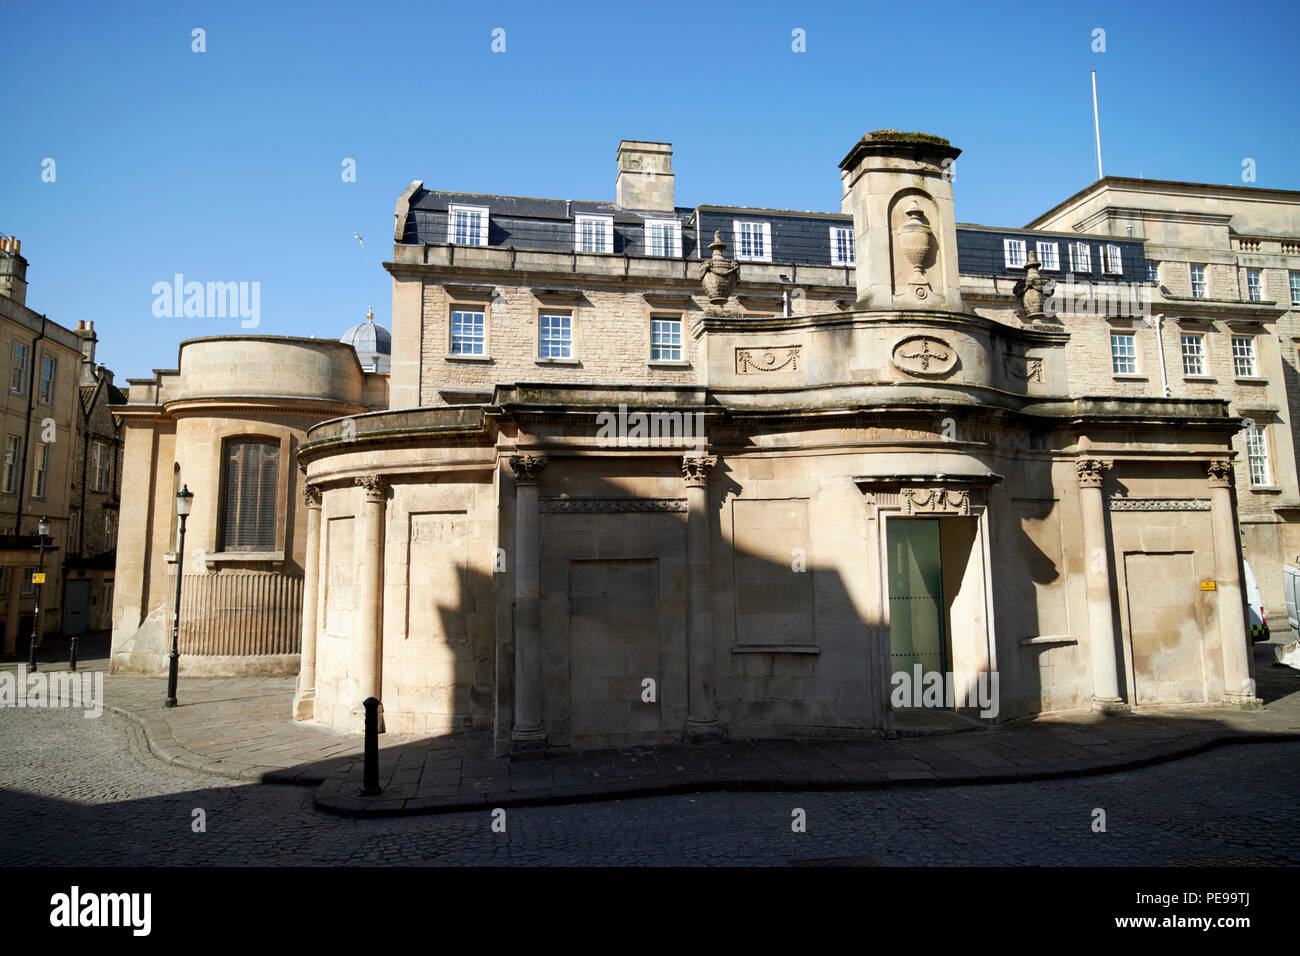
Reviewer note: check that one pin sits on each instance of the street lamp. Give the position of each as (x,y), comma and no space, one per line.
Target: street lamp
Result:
(184,502)
(44,529)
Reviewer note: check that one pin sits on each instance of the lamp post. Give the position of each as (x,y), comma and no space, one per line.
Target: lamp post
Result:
(44,529)
(184,502)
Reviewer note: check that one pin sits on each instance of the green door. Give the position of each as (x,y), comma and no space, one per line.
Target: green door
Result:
(916,632)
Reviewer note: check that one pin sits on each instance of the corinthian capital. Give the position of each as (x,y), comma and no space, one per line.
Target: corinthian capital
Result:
(376,486)
(311,496)
(527,468)
(1220,472)
(1092,471)
(696,468)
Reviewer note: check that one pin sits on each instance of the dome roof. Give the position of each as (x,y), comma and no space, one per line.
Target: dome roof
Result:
(372,343)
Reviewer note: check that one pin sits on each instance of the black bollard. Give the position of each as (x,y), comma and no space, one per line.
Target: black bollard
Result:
(370,776)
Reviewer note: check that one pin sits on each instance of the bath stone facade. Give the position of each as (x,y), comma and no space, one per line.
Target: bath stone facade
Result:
(896,471)
(226,423)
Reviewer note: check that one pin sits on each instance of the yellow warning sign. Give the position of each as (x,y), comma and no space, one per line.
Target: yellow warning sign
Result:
(1207,585)
(38,577)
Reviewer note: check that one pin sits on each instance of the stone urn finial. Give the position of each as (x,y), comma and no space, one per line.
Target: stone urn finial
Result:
(916,241)
(718,274)
(1033,290)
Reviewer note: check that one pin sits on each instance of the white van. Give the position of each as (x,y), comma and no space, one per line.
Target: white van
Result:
(1258,617)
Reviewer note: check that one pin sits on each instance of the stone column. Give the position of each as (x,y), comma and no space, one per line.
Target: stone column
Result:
(14,612)
(1101,627)
(368,635)
(528,734)
(702,719)
(304,701)
(1238,687)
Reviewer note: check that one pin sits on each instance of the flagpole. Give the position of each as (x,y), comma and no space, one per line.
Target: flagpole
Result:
(1096,123)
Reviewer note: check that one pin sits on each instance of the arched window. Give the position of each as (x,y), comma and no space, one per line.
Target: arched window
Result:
(250,481)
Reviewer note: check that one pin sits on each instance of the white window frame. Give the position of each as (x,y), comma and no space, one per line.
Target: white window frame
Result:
(99,452)
(675,345)
(1196,354)
(546,345)
(1293,279)
(1112,259)
(1049,256)
(836,258)
(1014,253)
(454,208)
(674,246)
(1254,290)
(607,234)
(47,385)
(1153,271)
(766,239)
(1192,268)
(18,367)
(1080,257)
(1257,463)
(1115,356)
(1245,354)
(471,339)
(41,477)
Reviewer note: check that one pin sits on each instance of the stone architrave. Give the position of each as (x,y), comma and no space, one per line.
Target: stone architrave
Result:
(702,720)
(1238,685)
(369,634)
(528,735)
(1101,621)
(304,699)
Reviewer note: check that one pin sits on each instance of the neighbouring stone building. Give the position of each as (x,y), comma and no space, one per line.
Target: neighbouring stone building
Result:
(227,423)
(54,408)
(640,471)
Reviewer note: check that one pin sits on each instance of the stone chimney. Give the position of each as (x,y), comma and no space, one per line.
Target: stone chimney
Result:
(899,188)
(645,176)
(13,271)
(87,338)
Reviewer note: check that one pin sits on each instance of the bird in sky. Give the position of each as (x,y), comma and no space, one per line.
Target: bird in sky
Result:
(357,236)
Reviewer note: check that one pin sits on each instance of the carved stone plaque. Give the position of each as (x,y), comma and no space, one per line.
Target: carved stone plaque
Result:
(781,359)
(924,356)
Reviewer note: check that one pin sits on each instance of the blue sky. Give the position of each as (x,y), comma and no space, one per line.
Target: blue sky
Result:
(225,165)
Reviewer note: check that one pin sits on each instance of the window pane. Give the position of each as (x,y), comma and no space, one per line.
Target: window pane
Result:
(1243,356)
(467,333)
(251,482)
(666,340)
(1123,351)
(555,336)
(1193,354)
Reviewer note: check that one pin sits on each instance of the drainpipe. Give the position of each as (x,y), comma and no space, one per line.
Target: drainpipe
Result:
(1160,344)
(27,430)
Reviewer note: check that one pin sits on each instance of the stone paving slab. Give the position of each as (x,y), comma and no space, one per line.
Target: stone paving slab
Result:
(239,728)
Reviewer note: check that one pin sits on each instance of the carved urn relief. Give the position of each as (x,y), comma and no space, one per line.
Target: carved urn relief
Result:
(916,242)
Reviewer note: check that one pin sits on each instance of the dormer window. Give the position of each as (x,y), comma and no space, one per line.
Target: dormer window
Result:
(1013,253)
(1110,256)
(842,250)
(467,225)
(663,237)
(1080,257)
(1047,257)
(753,240)
(593,234)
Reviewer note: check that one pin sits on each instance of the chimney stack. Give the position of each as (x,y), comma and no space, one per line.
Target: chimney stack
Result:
(86,334)
(13,270)
(645,176)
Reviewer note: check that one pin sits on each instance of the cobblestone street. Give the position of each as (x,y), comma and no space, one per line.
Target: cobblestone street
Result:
(87,792)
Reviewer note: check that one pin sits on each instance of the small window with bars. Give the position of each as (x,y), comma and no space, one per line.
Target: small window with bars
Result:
(1199,287)
(753,241)
(554,335)
(843,252)
(1123,353)
(1243,356)
(1193,353)
(1048,257)
(467,335)
(467,225)
(1257,456)
(665,338)
(1013,253)
(1254,285)
(250,488)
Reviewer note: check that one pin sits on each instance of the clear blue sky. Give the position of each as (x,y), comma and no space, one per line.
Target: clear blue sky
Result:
(225,165)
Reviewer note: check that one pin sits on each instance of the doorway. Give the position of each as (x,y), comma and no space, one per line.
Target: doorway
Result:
(917,632)
(76,611)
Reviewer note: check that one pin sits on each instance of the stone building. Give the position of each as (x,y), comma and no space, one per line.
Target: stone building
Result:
(651,470)
(42,418)
(1224,263)
(227,423)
